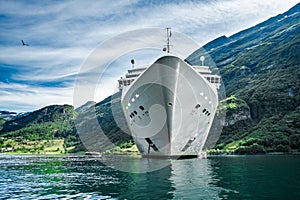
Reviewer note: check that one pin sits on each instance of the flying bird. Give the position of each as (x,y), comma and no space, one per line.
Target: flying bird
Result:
(24,44)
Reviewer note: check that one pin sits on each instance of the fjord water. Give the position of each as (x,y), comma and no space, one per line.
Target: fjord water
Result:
(83,177)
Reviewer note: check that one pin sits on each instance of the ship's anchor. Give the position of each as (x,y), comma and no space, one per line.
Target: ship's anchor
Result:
(151,144)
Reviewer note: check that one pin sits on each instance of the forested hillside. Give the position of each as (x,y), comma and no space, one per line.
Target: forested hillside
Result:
(260,68)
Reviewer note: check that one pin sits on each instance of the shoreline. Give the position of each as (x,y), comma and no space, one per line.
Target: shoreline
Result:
(137,155)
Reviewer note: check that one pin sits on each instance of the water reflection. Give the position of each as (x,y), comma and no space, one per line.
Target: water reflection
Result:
(92,176)
(78,177)
(192,179)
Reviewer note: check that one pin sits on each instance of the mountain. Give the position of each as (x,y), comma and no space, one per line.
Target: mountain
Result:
(49,114)
(80,128)
(102,127)
(260,68)
(7,115)
(85,106)
(41,131)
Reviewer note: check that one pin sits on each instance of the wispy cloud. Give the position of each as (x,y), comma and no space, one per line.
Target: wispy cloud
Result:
(62,35)
(23,97)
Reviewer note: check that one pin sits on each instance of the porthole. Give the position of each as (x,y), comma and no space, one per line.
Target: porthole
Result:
(142,107)
(170,104)
(135,112)
(197,106)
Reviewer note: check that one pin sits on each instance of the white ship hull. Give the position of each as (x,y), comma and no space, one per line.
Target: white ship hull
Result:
(169,109)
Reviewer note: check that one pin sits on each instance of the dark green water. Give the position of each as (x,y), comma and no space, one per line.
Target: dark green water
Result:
(81,177)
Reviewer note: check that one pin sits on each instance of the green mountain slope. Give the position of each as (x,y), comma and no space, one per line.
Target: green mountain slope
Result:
(101,127)
(261,67)
(50,123)
(81,129)
(51,113)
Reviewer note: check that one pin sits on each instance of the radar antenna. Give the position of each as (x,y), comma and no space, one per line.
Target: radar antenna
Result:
(202,58)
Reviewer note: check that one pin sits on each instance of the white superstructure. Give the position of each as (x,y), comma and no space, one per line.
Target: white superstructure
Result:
(134,73)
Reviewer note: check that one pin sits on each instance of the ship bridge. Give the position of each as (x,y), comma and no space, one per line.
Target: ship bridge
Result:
(133,74)
(206,73)
(130,76)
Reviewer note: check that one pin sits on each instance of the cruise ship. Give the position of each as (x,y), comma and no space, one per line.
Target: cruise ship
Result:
(169,106)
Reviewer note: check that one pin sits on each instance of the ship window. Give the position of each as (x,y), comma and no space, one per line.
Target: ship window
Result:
(208,114)
(204,110)
(135,112)
(197,106)
(142,107)
(132,114)
(170,104)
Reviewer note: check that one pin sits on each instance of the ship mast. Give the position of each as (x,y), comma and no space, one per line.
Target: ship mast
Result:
(169,34)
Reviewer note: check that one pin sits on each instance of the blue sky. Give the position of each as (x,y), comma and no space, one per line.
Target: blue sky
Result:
(62,34)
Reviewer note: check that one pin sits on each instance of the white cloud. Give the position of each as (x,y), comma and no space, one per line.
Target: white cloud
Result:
(21,97)
(63,34)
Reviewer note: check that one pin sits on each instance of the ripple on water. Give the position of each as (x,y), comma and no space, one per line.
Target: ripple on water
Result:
(82,177)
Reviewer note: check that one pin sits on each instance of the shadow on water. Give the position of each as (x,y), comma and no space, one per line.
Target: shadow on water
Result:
(78,177)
